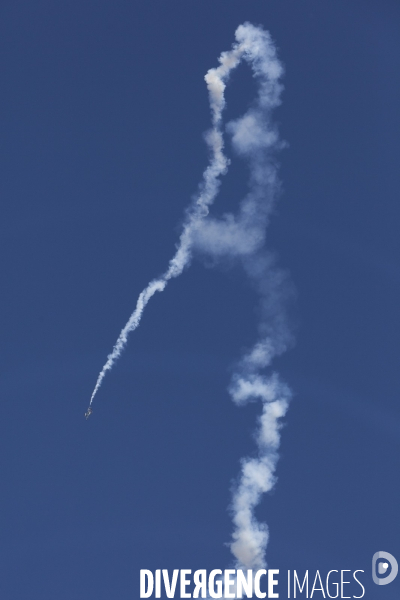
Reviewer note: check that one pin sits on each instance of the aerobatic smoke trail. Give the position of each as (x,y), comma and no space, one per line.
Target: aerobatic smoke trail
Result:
(196,212)
(255,138)
(242,237)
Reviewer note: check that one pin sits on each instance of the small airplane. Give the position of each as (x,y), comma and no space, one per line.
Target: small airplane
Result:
(88,413)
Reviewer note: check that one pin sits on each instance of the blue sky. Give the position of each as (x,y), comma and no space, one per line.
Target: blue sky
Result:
(103,110)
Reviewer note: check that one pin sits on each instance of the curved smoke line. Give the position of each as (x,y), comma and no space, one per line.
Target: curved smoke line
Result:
(242,237)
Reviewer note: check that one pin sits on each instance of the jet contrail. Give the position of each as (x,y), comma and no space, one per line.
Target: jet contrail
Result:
(242,237)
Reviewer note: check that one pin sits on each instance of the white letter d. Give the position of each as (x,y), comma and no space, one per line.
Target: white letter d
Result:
(143,574)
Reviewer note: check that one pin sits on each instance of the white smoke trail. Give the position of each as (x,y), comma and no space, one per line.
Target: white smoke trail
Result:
(255,138)
(241,236)
(197,212)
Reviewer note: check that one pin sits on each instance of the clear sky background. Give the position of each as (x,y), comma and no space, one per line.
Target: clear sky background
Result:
(102,110)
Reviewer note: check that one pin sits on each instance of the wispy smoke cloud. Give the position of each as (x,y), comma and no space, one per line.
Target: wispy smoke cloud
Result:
(241,237)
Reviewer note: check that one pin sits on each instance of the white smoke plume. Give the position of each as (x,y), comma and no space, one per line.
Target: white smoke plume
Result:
(196,212)
(255,138)
(241,237)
